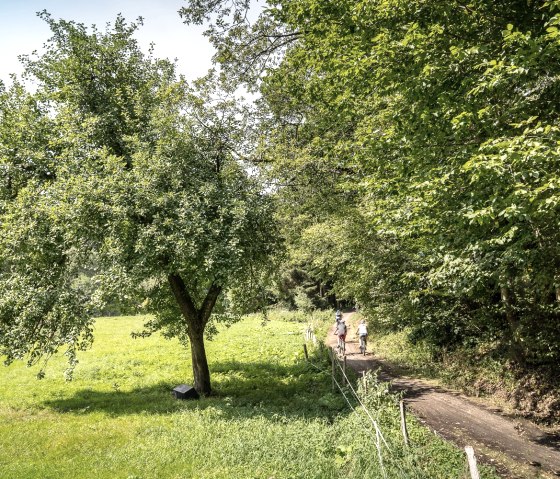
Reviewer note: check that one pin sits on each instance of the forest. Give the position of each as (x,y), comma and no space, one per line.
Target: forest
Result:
(413,148)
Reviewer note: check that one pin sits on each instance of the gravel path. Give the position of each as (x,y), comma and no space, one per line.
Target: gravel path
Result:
(517,448)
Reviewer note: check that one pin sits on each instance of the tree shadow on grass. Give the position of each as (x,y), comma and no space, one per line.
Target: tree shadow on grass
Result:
(241,390)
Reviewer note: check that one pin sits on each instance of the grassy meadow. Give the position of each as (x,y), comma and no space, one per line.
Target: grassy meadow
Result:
(272,414)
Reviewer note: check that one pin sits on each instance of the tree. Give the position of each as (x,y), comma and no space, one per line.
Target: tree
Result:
(133,175)
(431,129)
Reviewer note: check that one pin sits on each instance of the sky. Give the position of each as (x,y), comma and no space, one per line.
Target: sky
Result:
(21,31)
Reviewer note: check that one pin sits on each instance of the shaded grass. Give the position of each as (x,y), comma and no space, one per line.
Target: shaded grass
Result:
(272,415)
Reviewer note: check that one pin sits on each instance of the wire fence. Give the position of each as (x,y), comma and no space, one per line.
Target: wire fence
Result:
(369,424)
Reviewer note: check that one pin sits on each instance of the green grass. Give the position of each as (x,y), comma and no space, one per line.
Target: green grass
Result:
(272,415)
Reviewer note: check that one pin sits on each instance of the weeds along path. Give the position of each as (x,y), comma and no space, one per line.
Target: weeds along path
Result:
(517,448)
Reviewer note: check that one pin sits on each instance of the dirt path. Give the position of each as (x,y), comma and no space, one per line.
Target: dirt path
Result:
(517,448)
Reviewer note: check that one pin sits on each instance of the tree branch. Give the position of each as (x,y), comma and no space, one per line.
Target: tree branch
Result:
(186,304)
(209,302)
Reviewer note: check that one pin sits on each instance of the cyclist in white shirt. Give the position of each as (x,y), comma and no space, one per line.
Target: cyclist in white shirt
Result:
(362,328)
(362,334)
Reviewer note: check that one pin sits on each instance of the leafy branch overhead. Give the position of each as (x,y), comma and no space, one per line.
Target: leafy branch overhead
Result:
(428,131)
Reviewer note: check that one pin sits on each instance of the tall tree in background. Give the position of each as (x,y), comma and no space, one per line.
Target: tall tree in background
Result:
(429,132)
(115,165)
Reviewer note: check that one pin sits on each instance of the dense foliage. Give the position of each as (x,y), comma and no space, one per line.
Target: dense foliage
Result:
(415,149)
(112,169)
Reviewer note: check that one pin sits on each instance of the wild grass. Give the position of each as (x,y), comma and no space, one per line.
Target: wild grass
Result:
(272,415)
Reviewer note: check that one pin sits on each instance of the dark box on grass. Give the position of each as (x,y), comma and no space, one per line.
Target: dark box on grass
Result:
(184,391)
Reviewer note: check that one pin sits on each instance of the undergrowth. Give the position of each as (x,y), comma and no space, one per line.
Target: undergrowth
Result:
(477,371)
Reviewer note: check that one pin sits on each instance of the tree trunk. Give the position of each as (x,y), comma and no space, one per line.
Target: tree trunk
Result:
(201,371)
(196,320)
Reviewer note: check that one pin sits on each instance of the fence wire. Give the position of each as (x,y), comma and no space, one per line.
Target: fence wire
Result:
(378,438)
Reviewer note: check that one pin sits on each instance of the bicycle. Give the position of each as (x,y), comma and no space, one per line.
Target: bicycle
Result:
(363,344)
(341,345)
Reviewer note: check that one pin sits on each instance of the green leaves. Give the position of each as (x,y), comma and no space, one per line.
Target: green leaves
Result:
(116,171)
(427,132)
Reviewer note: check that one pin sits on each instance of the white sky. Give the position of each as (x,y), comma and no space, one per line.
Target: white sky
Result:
(21,31)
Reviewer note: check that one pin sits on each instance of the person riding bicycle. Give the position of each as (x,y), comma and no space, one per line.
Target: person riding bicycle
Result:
(341,331)
(362,333)
(362,328)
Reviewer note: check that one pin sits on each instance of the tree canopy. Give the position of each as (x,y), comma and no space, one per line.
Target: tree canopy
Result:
(113,167)
(417,143)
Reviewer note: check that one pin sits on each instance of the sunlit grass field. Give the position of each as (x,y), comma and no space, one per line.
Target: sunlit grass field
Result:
(272,414)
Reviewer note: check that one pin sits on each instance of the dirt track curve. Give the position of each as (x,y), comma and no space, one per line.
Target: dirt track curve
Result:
(517,448)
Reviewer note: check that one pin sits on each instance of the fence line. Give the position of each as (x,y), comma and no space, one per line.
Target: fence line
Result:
(373,421)
(377,431)
(378,438)
(310,335)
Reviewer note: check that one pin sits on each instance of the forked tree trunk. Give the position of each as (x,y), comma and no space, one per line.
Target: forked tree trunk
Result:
(196,320)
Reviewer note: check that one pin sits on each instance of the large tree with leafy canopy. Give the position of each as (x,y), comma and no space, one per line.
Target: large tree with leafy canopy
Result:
(114,166)
(430,130)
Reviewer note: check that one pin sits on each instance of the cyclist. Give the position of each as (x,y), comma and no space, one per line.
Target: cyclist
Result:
(362,334)
(338,316)
(340,331)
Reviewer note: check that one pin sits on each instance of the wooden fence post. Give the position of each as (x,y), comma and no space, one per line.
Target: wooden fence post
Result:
(403,423)
(305,352)
(344,380)
(472,462)
(364,382)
